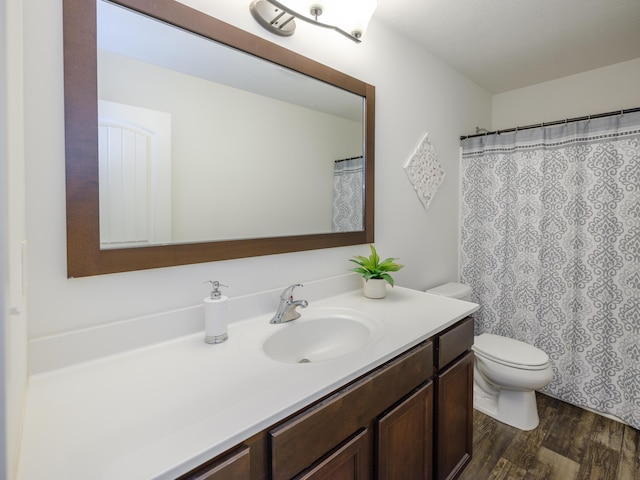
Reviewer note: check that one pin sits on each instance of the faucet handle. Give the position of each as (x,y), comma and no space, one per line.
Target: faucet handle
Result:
(287,294)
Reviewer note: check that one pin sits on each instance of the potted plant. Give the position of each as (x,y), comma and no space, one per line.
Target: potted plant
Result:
(375,272)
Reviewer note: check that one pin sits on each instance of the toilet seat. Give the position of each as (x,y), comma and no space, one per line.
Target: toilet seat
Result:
(510,352)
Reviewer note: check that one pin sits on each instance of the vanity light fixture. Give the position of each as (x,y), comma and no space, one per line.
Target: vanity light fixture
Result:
(347,17)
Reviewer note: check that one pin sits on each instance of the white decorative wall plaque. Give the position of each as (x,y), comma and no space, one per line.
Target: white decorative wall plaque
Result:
(424,171)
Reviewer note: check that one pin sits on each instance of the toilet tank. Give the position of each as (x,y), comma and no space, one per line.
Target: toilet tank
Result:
(453,290)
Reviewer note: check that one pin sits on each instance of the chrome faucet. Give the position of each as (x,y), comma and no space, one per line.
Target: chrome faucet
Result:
(287,308)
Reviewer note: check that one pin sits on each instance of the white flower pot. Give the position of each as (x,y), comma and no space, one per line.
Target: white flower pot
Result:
(374,288)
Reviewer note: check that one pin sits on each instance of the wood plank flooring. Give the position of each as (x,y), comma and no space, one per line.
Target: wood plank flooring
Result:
(569,444)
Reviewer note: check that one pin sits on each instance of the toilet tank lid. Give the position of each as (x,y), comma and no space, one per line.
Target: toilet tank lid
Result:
(452,290)
(508,350)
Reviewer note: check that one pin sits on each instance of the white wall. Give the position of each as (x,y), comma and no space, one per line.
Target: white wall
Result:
(4,281)
(606,89)
(416,92)
(13,317)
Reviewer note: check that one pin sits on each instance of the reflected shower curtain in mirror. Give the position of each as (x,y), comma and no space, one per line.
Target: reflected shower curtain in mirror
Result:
(550,244)
(347,195)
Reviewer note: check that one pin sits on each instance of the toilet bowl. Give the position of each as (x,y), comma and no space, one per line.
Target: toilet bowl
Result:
(507,372)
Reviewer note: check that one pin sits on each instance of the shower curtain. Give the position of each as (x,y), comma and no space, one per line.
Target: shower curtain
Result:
(347,195)
(550,244)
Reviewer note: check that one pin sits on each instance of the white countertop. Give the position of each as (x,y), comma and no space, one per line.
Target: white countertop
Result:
(157,412)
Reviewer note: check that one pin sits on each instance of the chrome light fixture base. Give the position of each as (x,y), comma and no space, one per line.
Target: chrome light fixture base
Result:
(280,19)
(273,18)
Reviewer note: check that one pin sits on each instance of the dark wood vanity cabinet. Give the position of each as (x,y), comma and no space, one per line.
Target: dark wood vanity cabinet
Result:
(454,400)
(347,462)
(234,464)
(409,419)
(312,438)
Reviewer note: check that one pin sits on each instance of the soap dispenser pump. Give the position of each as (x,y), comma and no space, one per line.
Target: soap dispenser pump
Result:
(215,314)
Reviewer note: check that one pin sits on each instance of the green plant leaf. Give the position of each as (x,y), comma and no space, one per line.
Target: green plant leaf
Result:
(372,267)
(390,265)
(375,259)
(359,259)
(388,278)
(361,271)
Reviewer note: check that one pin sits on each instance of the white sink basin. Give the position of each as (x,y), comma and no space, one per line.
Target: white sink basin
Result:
(318,336)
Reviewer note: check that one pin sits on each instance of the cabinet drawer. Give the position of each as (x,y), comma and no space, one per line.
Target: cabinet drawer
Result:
(454,342)
(307,437)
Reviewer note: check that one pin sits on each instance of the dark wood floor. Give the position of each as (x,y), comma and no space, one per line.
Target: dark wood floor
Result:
(569,444)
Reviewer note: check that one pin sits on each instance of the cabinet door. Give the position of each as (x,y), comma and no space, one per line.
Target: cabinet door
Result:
(454,430)
(405,438)
(232,466)
(348,462)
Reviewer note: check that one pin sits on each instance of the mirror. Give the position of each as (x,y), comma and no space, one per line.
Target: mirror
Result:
(240,148)
(266,186)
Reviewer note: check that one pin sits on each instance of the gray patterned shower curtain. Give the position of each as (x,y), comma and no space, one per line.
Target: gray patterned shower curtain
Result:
(550,244)
(347,195)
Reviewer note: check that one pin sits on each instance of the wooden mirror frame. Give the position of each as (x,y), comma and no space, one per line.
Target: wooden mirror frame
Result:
(84,256)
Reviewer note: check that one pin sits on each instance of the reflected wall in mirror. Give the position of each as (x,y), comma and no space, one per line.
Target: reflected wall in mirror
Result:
(188,140)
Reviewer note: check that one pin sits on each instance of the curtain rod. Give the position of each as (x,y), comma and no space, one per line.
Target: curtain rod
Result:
(548,124)
(347,159)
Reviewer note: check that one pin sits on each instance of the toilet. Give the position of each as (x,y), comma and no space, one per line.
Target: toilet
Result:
(507,372)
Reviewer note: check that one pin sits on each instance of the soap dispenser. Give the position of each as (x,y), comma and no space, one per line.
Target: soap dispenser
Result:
(215,314)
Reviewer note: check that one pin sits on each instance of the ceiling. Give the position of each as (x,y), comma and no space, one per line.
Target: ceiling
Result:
(502,45)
